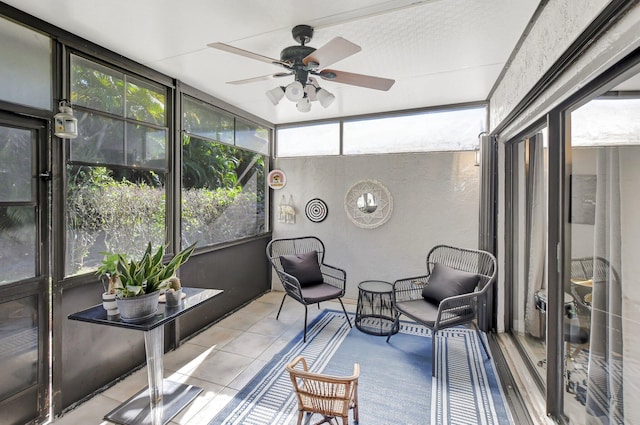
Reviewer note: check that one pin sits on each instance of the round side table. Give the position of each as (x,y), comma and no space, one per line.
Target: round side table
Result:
(375,313)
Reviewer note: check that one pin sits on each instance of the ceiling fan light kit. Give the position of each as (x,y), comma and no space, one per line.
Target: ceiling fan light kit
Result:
(305,62)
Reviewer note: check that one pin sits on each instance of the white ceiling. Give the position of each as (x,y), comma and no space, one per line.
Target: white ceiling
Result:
(439,51)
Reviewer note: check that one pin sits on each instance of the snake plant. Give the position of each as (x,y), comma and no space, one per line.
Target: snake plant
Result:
(149,274)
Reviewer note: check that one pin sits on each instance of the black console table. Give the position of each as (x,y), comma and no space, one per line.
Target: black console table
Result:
(164,398)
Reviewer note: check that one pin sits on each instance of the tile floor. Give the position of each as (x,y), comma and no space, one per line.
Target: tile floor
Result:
(221,360)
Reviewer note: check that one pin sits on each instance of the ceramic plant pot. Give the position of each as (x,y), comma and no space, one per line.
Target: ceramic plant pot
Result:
(138,309)
(174,298)
(109,303)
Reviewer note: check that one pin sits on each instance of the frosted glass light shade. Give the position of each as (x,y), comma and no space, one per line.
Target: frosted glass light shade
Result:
(294,91)
(304,105)
(275,95)
(325,97)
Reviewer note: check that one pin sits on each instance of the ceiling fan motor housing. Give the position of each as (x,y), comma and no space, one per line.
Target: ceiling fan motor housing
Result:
(302,33)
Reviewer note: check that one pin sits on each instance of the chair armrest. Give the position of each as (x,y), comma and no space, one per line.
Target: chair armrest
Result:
(334,276)
(459,308)
(409,288)
(291,284)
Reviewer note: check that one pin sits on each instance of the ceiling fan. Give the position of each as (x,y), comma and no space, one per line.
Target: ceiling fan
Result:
(305,63)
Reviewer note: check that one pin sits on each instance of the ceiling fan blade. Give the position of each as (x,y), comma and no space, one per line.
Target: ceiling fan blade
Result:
(361,80)
(246,53)
(332,52)
(261,78)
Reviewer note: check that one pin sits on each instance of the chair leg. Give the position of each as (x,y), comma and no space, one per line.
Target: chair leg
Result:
(482,340)
(396,323)
(281,304)
(345,312)
(433,353)
(305,324)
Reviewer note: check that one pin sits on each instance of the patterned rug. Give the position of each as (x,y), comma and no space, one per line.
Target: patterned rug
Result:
(395,384)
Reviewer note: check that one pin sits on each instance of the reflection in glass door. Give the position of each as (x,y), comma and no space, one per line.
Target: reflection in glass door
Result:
(24,279)
(600,333)
(529,233)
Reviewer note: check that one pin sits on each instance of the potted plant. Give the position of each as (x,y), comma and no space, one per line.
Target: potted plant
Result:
(173,295)
(138,283)
(108,270)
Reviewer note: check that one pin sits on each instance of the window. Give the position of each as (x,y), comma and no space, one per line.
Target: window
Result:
(117,166)
(310,140)
(223,186)
(448,130)
(121,119)
(25,66)
(454,129)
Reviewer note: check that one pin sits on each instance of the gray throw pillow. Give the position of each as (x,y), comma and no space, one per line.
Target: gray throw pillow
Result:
(303,267)
(446,282)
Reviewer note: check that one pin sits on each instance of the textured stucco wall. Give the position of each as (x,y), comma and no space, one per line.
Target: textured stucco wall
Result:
(435,200)
(557,26)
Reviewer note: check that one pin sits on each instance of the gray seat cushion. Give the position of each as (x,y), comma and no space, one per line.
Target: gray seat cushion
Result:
(445,282)
(419,310)
(320,292)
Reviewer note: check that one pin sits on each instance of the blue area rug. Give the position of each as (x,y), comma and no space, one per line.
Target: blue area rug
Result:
(395,385)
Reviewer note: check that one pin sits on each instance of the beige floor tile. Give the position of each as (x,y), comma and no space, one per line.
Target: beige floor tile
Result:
(187,357)
(209,411)
(249,344)
(209,392)
(222,367)
(90,412)
(129,386)
(216,337)
(247,375)
(269,326)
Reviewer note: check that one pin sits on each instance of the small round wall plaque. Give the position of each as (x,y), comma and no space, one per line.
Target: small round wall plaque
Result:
(277,179)
(316,210)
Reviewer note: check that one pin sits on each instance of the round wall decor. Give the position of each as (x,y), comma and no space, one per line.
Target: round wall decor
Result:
(316,210)
(368,204)
(276,179)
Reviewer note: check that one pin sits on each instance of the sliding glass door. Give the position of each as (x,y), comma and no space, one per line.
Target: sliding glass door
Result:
(573,271)
(602,354)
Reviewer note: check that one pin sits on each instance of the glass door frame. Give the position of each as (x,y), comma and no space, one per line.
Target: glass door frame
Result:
(40,284)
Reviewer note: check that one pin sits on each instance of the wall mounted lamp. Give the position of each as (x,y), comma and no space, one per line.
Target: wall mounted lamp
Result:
(302,94)
(476,151)
(64,123)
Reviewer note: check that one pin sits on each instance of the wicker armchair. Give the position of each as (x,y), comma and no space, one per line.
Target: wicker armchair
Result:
(331,280)
(452,310)
(330,396)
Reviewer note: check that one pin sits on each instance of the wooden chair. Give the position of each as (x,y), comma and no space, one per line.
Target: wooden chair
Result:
(448,294)
(329,396)
(299,263)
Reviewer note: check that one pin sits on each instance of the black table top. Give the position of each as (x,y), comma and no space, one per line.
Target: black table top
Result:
(195,296)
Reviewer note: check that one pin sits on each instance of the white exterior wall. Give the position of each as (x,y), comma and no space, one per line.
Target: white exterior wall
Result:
(435,201)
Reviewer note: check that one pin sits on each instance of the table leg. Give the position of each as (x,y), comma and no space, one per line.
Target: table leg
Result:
(163,400)
(154,347)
